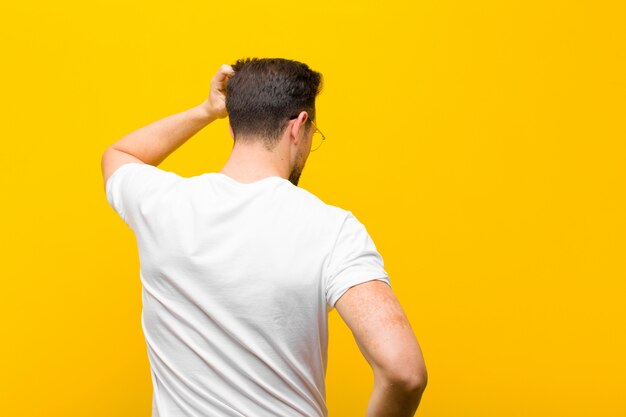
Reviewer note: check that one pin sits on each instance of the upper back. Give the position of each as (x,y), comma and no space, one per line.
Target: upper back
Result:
(237,282)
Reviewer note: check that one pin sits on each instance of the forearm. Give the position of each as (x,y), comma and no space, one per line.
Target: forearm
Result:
(393,400)
(156,141)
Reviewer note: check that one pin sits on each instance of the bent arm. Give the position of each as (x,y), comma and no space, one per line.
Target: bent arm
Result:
(386,340)
(153,143)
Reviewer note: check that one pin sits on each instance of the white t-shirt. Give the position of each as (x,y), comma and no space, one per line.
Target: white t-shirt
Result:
(237,283)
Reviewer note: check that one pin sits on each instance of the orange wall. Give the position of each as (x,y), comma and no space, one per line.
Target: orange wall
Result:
(481,143)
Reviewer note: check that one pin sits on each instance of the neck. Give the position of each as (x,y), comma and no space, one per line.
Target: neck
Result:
(251,161)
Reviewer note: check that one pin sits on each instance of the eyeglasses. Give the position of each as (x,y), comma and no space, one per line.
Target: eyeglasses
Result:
(317,139)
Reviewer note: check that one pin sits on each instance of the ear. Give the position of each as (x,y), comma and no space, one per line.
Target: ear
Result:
(297,124)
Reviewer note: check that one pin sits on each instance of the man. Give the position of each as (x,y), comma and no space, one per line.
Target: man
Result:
(240,268)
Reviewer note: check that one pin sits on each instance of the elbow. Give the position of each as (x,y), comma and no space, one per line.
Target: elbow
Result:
(415,382)
(420,384)
(408,378)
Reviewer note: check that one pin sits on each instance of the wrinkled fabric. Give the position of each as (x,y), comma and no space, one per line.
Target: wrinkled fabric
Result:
(237,283)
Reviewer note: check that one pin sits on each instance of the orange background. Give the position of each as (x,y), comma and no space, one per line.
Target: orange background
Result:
(481,143)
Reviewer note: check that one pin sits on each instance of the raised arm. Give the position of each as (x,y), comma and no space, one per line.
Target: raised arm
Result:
(153,143)
(386,340)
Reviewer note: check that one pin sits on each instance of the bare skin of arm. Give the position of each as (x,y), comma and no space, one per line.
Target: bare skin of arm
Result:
(386,340)
(153,143)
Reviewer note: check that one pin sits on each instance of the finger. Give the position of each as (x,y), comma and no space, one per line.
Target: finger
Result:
(223,73)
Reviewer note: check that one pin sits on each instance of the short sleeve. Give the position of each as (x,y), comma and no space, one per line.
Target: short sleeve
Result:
(354,260)
(132,184)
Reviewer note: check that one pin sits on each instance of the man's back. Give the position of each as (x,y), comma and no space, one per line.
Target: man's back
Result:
(238,280)
(240,268)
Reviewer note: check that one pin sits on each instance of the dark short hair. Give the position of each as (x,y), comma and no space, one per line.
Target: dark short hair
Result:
(265,93)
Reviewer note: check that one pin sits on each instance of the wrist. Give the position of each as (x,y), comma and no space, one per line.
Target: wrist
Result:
(206,112)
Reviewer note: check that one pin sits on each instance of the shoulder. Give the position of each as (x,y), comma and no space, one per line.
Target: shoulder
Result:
(320,206)
(140,171)
(133,182)
(136,168)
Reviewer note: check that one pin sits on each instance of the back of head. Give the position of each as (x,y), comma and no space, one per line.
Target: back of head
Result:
(264,93)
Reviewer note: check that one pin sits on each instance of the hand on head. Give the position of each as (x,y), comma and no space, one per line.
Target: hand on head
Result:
(216,103)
